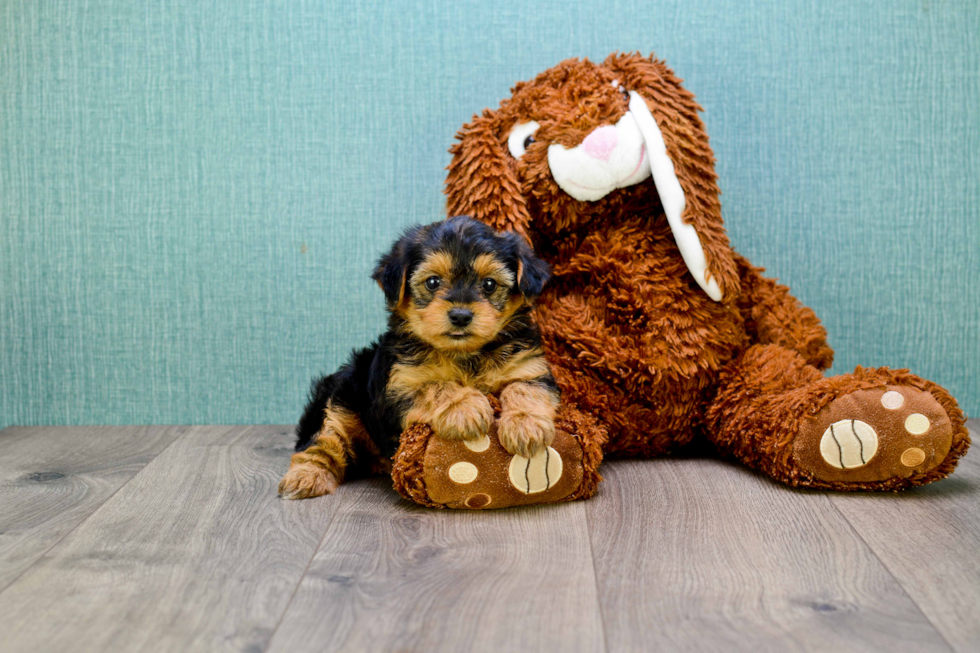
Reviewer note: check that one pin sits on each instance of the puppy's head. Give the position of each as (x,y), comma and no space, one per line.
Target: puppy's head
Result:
(457,283)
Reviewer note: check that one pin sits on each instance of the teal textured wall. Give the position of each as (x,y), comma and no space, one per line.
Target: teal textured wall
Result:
(192,193)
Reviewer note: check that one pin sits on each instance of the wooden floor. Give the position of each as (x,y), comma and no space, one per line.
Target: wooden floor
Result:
(173,539)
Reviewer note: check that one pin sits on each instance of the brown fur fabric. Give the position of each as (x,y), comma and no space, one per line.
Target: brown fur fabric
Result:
(408,471)
(591,437)
(631,339)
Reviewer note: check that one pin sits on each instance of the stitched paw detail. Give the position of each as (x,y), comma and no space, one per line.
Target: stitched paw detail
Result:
(849,443)
(536,474)
(481,474)
(875,435)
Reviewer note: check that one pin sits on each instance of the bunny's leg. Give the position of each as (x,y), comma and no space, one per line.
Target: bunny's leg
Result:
(873,429)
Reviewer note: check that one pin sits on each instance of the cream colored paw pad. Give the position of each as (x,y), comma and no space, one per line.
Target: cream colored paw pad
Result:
(892,400)
(917,424)
(536,474)
(848,444)
(463,473)
(478,446)
(913,457)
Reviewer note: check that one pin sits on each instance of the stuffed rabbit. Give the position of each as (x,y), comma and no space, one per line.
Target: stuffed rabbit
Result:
(652,323)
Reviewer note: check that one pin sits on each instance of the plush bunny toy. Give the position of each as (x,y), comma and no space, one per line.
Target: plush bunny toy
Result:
(652,324)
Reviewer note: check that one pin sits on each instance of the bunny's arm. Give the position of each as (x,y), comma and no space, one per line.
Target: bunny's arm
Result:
(773,316)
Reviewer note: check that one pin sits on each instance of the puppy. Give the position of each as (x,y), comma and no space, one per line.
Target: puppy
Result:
(459,298)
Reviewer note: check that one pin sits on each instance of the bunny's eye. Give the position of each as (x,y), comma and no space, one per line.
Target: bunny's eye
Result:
(521,137)
(622,89)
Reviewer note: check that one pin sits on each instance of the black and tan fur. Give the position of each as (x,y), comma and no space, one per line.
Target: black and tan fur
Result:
(459,298)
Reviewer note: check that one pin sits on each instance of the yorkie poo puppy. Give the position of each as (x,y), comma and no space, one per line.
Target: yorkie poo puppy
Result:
(459,298)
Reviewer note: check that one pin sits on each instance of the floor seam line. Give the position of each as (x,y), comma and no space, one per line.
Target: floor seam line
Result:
(895,578)
(92,514)
(595,580)
(302,577)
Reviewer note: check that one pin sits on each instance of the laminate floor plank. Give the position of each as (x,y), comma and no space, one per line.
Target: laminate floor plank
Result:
(701,554)
(391,575)
(52,478)
(929,538)
(195,553)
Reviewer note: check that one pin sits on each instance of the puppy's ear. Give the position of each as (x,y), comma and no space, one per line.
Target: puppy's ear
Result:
(392,268)
(482,180)
(683,170)
(532,272)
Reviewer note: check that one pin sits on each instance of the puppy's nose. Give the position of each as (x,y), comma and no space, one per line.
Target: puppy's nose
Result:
(601,143)
(460,316)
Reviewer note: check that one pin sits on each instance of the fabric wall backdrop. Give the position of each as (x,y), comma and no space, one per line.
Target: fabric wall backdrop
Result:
(192,194)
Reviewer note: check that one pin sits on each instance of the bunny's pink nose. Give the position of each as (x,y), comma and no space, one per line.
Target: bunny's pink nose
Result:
(600,143)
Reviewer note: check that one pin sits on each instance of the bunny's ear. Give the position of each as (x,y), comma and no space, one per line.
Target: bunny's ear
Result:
(482,180)
(683,169)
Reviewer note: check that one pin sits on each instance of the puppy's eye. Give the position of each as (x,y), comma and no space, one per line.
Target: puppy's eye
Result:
(489,285)
(433,283)
(521,137)
(626,94)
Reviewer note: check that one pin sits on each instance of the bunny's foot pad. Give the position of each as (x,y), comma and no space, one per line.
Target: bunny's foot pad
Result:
(480,474)
(876,435)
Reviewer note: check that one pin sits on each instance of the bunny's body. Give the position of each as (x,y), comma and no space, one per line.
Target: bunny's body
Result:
(651,322)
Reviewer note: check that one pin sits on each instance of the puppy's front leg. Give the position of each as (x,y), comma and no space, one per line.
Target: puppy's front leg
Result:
(320,468)
(455,412)
(527,417)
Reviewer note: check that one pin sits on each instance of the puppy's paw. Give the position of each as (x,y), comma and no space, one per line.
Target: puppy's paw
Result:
(524,434)
(466,415)
(307,480)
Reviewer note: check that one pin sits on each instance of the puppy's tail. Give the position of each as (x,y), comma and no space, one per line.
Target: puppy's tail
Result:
(321,390)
